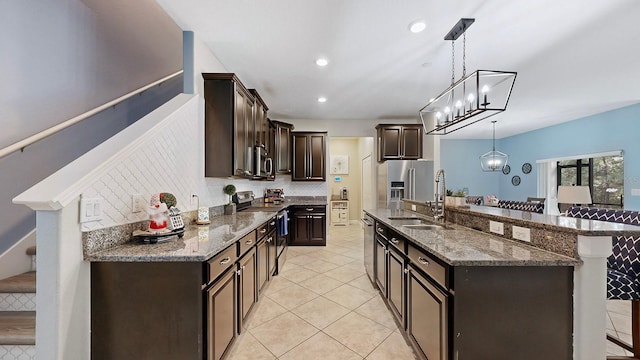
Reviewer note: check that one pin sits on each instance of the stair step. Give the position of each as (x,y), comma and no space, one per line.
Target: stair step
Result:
(22,283)
(17,327)
(31,250)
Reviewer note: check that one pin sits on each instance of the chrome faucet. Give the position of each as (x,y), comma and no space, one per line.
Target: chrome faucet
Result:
(438,212)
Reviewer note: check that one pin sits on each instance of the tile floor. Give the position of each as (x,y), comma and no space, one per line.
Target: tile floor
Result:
(323,306)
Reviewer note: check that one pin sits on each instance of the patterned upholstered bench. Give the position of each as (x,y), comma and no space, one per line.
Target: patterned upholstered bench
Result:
(475,200)
(623,266)
(535,207)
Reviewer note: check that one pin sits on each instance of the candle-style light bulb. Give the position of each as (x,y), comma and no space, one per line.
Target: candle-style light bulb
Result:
(470,98)
(447,110)
(458,106)
(485,90)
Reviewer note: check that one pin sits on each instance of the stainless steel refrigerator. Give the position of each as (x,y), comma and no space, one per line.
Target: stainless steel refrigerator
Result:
(408,179)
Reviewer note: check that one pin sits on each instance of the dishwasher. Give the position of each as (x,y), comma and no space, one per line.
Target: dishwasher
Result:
(369,243)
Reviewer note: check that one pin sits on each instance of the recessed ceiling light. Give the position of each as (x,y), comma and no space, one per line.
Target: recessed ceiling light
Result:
(322,99)
(322,62)
(417,26)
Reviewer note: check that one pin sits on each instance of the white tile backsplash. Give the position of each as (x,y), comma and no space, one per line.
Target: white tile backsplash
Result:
(168,159)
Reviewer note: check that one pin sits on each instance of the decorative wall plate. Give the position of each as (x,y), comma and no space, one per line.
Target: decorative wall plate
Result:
(506,169)
(526,168)
(515,180)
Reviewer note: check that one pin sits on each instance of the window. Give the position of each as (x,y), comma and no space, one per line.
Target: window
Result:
(604,176)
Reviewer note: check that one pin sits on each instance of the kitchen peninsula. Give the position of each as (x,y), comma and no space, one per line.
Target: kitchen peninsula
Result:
(203,286)
(460,290)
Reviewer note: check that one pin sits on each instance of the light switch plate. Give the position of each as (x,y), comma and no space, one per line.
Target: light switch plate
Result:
(521,233)
(137,203)
(90,209)
(496,227)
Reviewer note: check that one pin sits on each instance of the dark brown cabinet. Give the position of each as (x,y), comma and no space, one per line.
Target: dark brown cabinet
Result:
(229,128)
(399,142)
(308,156)
(309,225)
(380,264)
(266,253)
(427,316)
(248,281)
(221,315)
(261,122)
(396,280)
(263,265)
(281,152)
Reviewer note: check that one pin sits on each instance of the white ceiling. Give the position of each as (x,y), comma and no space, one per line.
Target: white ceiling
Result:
(573,57)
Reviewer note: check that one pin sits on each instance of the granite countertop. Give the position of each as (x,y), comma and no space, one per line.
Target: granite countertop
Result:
(260,206)
(460,246)
(568,224)
(199,243)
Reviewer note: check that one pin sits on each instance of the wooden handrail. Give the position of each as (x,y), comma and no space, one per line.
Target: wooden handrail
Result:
(54,129)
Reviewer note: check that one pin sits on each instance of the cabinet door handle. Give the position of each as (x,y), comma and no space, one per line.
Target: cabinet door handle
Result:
(263,231)
(238,272)
(386,251)
(406,271)
(309,209)
(381,230)
(394,240)
(248,242)
(225,260)
(423,261)
(272,223)
(269,239)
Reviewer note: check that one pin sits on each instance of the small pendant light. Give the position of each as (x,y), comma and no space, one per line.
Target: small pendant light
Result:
(493,160)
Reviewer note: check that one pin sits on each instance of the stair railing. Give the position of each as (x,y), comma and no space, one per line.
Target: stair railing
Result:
(20,145)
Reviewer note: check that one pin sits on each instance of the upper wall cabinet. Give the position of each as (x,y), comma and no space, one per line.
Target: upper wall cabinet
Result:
(281,153)
(229,126)
(399,141)
(261,122)
(309,153)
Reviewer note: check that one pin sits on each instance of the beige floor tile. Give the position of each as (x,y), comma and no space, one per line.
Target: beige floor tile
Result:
(343,273)
(363,283)
(321,284)
(320,346)
(248,348)
(320,266)
(292,296)
(334,258)
(283,333)
(299,274)
(393,347)
(320,312)
(267,309)
(619,306)
(278,283)
(300,259)
(376,310)
(349,296)
(358,333)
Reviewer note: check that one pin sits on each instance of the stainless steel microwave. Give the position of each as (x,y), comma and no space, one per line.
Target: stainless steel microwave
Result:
(263,165)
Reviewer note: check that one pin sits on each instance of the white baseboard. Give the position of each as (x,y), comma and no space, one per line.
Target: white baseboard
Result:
(15,260)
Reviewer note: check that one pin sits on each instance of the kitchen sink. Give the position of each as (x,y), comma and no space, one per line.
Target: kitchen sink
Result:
(424,227)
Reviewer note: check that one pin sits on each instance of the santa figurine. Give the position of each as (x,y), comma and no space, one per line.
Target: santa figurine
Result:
(158,214)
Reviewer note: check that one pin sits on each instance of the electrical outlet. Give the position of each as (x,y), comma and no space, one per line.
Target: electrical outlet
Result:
(137,203)
(496,227)
(413,207)
(521,233)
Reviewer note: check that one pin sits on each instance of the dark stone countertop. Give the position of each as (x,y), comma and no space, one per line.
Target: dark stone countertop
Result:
(460,246)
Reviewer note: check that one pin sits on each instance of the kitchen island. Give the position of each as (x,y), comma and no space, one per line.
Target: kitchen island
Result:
(460,293)
(544,294)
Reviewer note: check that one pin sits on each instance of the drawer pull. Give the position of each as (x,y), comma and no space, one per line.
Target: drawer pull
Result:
(225,260)
(380,230)
(263,231)
(394,240)
(423,261)
(269,239)
(272,223)
(309,209)
(248,242)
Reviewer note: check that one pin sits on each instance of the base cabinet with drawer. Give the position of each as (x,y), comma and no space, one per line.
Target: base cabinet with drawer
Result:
(309,225)
(183,310)
(474,312)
